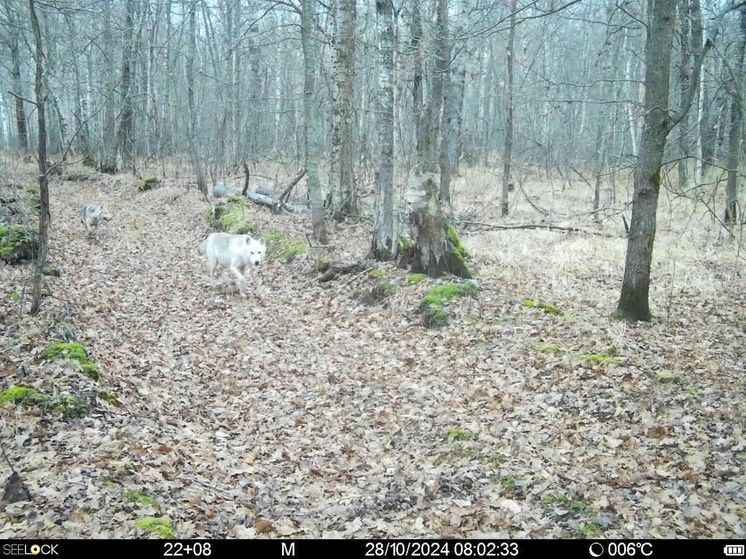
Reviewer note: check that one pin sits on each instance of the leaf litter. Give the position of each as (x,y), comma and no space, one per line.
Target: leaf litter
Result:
(300,412)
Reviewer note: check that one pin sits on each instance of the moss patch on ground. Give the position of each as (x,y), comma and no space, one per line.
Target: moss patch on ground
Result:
(160,526)
(543,305)
(22,394)
(74,351)
(17,244)
(433,305)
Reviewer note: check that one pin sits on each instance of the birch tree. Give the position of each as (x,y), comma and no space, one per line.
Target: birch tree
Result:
(435,249)
(383,232)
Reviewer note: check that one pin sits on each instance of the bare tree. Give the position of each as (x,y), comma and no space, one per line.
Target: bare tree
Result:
(634,299)
(44,216)
(313,130)
(13,40)
(383,232)
(736,125)
(193,151)
(435,249)
(342,170)
(126,119)
(508,153)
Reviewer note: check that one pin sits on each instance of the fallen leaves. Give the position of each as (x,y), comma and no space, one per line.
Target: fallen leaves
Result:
(299,412)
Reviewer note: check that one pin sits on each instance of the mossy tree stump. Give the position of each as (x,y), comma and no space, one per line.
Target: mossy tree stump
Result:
(435,249)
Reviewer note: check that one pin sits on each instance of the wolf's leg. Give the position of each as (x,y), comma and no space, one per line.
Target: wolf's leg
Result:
(241,280)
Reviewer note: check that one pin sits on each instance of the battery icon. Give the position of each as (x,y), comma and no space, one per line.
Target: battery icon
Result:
(734,550)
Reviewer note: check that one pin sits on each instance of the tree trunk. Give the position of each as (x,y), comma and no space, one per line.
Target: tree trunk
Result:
(342,172)
(683,7)
(634,302)
(124,134)
(80,109)
(193,151)
(108,156)
(383,232)
(435,102)
(417,99)
(736,120)
(13,35)
(508,155)
(44,216)
(313,130)
(435,249)
(447,111)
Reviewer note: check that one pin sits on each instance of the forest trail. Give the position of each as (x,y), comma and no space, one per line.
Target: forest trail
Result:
(300,412)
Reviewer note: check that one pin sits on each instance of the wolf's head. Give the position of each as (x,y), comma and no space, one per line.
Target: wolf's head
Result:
(103,213)
(257,250)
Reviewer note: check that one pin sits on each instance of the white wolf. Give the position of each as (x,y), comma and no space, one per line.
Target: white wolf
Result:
(234,252)
(93,214)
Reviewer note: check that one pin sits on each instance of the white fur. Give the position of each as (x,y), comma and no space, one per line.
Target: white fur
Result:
(93,214)
(234,252)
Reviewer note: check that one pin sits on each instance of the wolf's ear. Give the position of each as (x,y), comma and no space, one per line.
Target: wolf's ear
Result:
(249,239)
(261,242)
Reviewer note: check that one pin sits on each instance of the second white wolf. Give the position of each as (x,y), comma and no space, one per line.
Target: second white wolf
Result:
(93,214)
(233,252)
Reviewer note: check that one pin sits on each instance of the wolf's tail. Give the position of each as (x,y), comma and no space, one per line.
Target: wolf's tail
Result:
(203,247)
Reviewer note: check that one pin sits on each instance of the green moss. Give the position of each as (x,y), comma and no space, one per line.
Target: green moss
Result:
(457,434)
(666,377)
(34,203)
(230,217)
(271,238)
(599,358)
(403,245)
(378,273)
(551,349)
(453,238)
(417,278)
(65,350)
(107,396)
(70,407)
(140,498)
(161,526)
(233,219)
(17,243)
(147,184)
(433,303)
(434,316)
(377,294)
(551,502)
(22,394)
(508,483)
(74,351)
(546,307)
(586,529)
(289,250)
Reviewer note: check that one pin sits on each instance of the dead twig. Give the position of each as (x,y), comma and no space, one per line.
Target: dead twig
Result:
(537,226)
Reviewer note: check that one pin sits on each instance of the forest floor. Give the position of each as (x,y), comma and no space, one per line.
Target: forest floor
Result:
(299,411)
